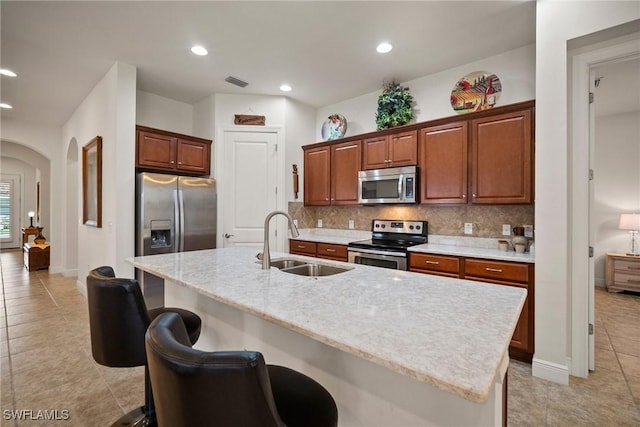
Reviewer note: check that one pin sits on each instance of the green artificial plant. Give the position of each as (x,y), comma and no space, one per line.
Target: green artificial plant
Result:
(395,106)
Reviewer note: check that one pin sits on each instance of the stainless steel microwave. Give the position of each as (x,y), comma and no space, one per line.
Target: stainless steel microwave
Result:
(390,185)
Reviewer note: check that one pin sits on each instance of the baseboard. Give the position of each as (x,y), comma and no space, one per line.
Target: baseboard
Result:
(81,288)
(550,371)
(70,273)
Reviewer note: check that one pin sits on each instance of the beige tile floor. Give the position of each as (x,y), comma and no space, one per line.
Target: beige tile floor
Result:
(46,363)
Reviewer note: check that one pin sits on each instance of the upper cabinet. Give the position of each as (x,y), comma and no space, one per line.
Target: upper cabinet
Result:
(160,150)
(443,163)
(331,174)
(502,159)
(484,160)
(400,149)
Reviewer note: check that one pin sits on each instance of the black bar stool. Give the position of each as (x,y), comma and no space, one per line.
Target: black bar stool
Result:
(228,388)
(118,319)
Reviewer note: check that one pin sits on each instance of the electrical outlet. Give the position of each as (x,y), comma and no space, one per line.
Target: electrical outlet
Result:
(528,230)
(506,229)
(319,223)
(352,224)
(295,222)
(468,228)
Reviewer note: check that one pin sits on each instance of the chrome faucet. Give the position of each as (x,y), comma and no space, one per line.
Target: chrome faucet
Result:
(266,257)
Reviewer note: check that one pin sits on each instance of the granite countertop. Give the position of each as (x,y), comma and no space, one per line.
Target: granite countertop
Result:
(451,333)
(472,247)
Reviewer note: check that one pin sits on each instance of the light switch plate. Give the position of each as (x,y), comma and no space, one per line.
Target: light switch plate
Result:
(528,230)
(319,223)
(468,228)
(351,224)
(506,229)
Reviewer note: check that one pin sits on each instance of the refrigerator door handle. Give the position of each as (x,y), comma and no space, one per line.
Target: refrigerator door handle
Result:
(181,222)
(176,221)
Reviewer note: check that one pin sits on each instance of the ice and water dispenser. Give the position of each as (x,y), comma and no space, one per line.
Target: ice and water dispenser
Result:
(160,233)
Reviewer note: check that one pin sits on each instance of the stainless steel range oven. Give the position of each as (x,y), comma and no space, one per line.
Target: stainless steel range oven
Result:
(389,242)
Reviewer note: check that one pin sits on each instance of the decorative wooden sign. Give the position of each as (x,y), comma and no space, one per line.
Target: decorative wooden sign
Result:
(245,119)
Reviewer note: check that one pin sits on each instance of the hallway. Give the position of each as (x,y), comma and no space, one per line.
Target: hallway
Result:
(46,363)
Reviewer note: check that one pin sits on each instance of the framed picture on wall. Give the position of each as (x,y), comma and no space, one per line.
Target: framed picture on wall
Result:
(92,183)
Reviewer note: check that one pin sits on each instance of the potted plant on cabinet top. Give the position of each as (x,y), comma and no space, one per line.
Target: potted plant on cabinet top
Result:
(395,106)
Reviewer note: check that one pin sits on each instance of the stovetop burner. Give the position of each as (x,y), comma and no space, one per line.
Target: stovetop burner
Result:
(394,235)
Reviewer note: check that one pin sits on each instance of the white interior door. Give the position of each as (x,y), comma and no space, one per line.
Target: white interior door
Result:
(248,182)
(10,211)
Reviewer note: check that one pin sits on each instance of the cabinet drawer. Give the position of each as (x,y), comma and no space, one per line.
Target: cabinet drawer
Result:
(627,267)
(327,250)
(624,279)
(302,247)
(497,270)
(446,264)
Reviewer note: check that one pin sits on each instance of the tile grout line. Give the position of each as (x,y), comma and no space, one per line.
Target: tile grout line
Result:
(6,325)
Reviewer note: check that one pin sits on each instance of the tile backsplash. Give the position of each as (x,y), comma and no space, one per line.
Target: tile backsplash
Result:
(443,220)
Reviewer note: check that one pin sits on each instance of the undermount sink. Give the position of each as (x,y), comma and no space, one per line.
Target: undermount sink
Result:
(314,270)
(303,268)
(286,263)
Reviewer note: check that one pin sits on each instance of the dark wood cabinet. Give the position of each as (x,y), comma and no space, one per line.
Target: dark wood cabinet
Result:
(501,159)
(400,149)
(320,250)
(331,174)
(443,163)
(160,150)
(507,273)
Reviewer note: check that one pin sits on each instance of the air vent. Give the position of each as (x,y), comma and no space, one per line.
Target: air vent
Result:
(235,81)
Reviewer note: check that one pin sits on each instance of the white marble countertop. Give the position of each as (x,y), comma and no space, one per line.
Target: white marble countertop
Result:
(473,252)
(450,333)
(473,247)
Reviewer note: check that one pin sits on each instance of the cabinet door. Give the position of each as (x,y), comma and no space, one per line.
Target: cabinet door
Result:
(332,251)
(375,153)
(403,149)
(522,336)
(317,176)
(443,163)
(346,160)
(501,159)
(194,156)
(156,151)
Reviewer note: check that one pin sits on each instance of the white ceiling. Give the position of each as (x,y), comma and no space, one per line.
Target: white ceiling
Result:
(325,50)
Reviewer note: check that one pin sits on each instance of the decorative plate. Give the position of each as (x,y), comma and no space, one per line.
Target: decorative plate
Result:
(334,127)
(476,91)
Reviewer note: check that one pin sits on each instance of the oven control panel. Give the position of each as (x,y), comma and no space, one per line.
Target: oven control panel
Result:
(407,227)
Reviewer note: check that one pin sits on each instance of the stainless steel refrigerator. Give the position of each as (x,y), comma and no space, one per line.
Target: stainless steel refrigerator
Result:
(173,214)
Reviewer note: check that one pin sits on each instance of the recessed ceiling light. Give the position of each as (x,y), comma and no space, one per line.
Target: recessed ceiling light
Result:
(199,50)
(285,88)
(7,106)
(384,47)
(6,72)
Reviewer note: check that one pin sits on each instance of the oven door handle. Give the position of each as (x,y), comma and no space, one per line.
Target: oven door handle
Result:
(378,252)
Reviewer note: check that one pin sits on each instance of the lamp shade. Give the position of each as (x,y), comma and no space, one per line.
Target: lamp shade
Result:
(629,222)
(31,214)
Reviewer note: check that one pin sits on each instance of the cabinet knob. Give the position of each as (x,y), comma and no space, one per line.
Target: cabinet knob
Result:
(464,196)
(172,162)
(179,163)
(474,195)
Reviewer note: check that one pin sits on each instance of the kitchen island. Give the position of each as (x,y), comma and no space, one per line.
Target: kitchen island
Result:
(394,348)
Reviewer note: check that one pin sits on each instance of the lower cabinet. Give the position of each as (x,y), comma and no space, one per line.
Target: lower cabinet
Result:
(319,250)
(505,273)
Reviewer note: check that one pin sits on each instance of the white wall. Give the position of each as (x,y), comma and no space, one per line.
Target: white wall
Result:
(617,187)
(515,69)
(300,130)
(556,24)
(163,113)
(108,111)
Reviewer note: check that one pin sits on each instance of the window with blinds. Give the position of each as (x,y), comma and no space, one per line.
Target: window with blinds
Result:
(6,202)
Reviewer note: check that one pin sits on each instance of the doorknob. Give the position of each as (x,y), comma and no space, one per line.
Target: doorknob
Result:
(227,235)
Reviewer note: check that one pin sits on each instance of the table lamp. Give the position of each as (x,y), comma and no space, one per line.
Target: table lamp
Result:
(631,222)
(31,215)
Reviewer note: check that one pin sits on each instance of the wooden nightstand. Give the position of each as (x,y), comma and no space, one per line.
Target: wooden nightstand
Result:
(623,272)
